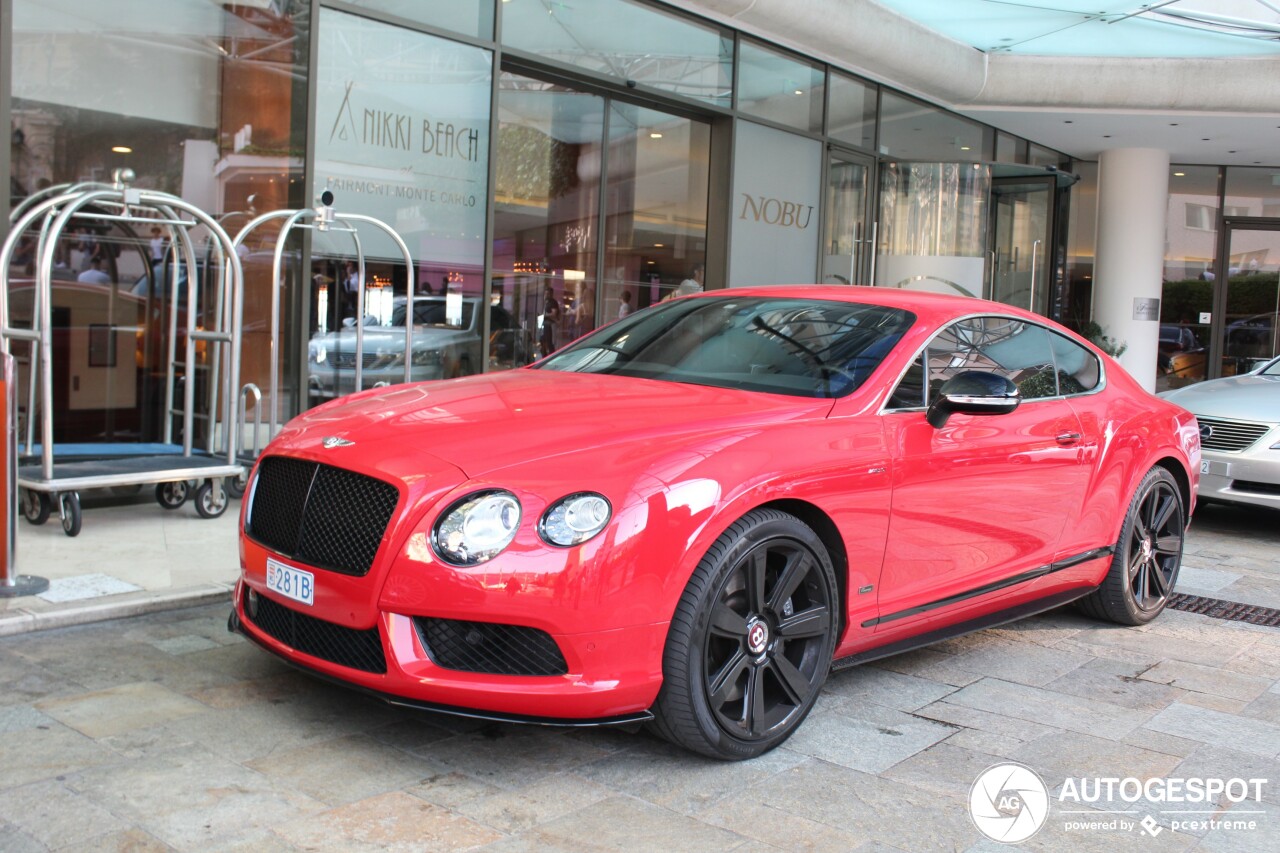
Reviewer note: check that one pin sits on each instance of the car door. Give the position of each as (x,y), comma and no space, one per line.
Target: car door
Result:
(980,504)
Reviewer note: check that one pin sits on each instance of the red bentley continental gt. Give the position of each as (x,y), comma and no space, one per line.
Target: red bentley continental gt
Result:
(690,516)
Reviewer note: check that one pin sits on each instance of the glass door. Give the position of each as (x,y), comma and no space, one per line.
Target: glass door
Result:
(1252,309)
(848,241)
(1018,258)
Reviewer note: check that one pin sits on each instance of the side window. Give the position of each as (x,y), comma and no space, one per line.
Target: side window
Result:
(910,391)
(1005,346)
(1078,369)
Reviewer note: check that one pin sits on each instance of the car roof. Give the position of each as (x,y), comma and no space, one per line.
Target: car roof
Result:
(926,306)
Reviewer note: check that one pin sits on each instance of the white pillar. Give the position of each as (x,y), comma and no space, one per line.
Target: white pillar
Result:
(1133,200)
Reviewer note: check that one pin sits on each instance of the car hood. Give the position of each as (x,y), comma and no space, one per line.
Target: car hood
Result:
(386,338)
(1245,398)
(492,421)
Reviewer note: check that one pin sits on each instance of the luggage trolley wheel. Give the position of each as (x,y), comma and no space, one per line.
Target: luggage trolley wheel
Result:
(171,495)
(35,506)
(69,509)
(235,485)
(211,499)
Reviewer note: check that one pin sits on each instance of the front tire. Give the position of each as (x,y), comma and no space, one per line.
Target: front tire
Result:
(1147,556)
(751,641)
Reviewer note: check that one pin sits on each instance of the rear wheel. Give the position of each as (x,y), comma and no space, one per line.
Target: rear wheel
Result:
(1147,555)
(35,506)
(751,641)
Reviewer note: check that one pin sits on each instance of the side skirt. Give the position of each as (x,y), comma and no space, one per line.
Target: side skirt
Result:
(990,620)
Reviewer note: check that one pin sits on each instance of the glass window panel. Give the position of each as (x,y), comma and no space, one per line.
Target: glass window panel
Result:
(205,101)
(916,131)
(403,127)
(1040,156)
(546,213)
(1253,192)
(626,41)
(774,86)
(471,17)
(1191,240)
(1008,148)
(1081,234)
(1018,351)
(656,208)
(852,111)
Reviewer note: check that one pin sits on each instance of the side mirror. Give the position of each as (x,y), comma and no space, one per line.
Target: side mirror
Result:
(973,392)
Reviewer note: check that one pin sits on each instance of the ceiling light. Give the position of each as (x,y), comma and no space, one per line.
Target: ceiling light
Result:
(122,149)
(655,135)
(657,245)
(799,91)
(964,147)
(1179,174)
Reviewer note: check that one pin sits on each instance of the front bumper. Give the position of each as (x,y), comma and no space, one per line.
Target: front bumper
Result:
(338,382)
(613,675)
(1251,476)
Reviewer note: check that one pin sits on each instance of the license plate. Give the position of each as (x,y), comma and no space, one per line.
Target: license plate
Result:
(1204,467)
(290,582)
(1220,469)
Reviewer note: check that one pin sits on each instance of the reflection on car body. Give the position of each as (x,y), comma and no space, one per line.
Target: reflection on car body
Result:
(686,516)
(445,344)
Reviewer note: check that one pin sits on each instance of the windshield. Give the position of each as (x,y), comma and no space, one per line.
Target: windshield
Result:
(801,347)
(433,312)
(1272,369)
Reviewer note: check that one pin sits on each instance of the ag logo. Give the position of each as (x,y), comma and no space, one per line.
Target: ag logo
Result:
(1009,803)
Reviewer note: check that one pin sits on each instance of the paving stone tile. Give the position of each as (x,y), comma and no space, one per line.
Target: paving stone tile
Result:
(886,687)
(869,808)
(1262,838)
(279,686)
(1024,663)
(1214,703)
(184,644)
(780,830)
(1205,679)
(1071,754)
(452,789)
(509,756)
(1049,708)
(191,798)
(625,823)
(1265,707)
(1218,762)
(870,739)
(1214,727)
(14,840)
(40,753)
(930,664)
(988,743)
(1148,647)
(342,770)
(675,779)
(944,767)
(121,709)
(1118,683)
(55,816)
(1161,742)
(1260,659)
(545,800)
(1001,725)
(131,841)
(16,718)
(392,821)
(1197,581)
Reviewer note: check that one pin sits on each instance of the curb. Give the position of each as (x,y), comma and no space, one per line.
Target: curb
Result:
(23,620)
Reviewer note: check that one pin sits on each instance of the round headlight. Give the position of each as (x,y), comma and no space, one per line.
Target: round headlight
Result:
(574,519)
(477,528)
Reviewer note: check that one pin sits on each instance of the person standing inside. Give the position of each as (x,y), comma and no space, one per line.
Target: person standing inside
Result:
(625,308)
(692,284)
(550,319)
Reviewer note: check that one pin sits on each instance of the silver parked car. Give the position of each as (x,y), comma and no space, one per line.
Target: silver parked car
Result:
(445,344)
(1239,434)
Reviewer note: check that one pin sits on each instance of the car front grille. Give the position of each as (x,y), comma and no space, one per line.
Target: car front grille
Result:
(344,646)
(323,516)
(347,360)
(1230,436)
(490,648)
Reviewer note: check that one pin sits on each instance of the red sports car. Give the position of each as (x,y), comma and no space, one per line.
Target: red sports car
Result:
(693,514)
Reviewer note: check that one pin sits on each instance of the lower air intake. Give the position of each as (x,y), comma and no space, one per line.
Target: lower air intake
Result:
(490,648)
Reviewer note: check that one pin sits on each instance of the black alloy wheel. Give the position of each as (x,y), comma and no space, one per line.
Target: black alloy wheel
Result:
(752,639)
(1147,556)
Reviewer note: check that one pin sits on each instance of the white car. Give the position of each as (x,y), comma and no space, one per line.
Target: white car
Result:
(1239,420)
(442,347)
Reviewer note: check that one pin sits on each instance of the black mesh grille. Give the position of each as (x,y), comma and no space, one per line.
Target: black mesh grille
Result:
(490,648)
(347,647)
(320,515)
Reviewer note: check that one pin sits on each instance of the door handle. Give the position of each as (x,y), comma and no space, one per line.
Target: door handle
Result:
(1066,439)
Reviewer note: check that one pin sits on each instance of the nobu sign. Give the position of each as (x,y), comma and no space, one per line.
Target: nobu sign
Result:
(774,211)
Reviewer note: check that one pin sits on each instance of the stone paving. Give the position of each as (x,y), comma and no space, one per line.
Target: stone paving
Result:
(164,732)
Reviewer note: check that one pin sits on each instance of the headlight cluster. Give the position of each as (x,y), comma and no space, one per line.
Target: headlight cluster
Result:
(478,527)
(317,352)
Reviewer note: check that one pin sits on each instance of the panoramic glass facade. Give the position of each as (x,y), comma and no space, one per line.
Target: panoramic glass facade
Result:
(548,169)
